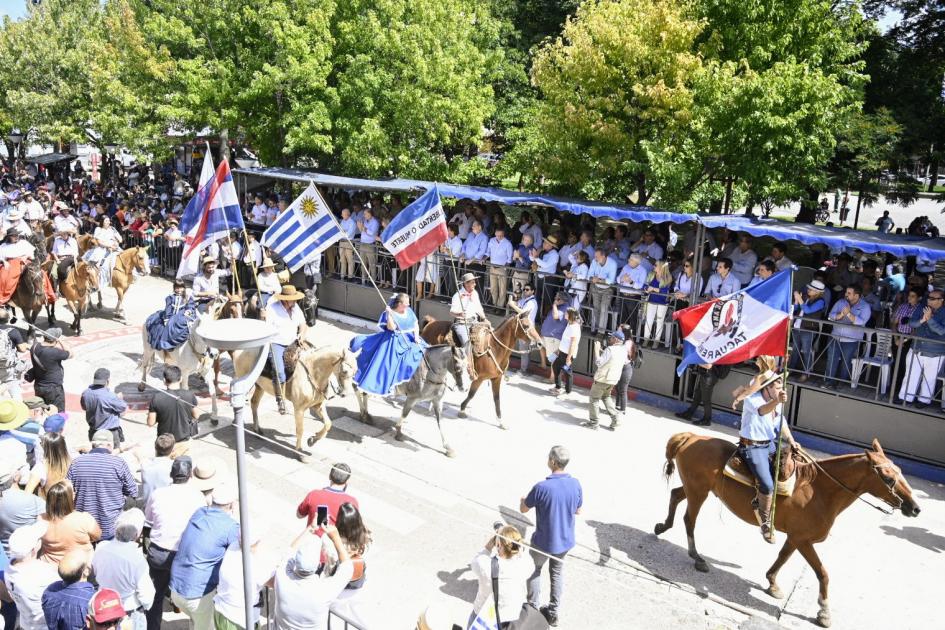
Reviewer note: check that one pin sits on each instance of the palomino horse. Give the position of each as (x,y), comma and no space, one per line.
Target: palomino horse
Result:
(427,383)
(126,263)
(229,306)
(492,364)
(308,388)
(823,489)
(75,289)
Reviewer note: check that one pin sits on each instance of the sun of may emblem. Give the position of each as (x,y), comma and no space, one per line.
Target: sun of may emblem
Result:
(308,207)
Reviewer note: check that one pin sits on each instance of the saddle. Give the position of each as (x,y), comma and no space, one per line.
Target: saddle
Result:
(289,358)
(736,469)
(479,334)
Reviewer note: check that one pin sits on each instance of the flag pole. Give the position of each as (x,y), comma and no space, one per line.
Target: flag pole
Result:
(784,375)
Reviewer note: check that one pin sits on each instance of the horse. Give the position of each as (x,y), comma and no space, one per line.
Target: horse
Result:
(126,263)
(823,489)
(228,306)
(307,388)
(75,289)
(494,361)
(427,383)
(30,294)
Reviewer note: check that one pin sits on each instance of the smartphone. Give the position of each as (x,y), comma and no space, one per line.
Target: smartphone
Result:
(321,515)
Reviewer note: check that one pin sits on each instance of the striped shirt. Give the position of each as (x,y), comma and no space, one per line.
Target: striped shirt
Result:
(66,605)
(101,481)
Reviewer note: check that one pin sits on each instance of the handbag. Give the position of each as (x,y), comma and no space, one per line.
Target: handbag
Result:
(530,618)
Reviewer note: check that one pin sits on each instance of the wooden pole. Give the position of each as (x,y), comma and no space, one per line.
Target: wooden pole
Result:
(784,375)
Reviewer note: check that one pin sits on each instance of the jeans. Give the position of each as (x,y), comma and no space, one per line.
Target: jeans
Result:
(758,459)
(8,614)
(803,350)
(556,571)
(278,354)
(460,332)
(159,568)
(842,351)
(525,360)
(199,609)
(558,369)
(622,385)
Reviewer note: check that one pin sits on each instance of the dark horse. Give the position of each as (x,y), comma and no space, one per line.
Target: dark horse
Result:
(494,361)
(30,294)
(822,491)
(427,383)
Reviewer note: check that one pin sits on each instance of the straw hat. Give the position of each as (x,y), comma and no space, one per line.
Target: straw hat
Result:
(13,414)
(467,277)
(207,260)
(552,239)
(289,294)
(267,263)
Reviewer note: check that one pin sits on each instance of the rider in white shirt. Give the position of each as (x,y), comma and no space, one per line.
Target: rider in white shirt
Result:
(465,308)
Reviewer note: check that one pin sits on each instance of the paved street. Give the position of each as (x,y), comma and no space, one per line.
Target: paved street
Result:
(431,514)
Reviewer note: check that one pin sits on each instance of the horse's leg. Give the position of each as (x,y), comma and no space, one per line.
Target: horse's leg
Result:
(51,314)
(409,402)
(121,298)
(299,412)
(675,498)
(216,377)
(695,499)
(472,392)
(786,551)
(496,384)
(254,405)
(323,416)
(807,550)
(363,406)
(437,404)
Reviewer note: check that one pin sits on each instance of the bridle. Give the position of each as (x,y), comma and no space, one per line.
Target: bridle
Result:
(890,485)
(336,391)
(518,324)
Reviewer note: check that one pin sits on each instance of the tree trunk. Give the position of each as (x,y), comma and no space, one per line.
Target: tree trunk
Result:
(225,144)
(859,201)
(933,175)
(728,195)
(808,212)
(642,195)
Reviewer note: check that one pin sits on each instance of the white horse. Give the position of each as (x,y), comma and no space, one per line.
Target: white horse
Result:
(192,357)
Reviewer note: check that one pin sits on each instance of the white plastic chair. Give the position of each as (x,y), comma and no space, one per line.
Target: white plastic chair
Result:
(881,358)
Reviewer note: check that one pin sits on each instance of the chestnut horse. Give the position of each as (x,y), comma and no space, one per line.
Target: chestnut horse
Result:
(126,263)
(75,290)
(491,365)
(823,489)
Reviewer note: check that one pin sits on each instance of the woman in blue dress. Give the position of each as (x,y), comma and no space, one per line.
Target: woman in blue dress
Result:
(391,356)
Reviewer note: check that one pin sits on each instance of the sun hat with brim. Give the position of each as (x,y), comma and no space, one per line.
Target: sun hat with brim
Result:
(24,540)
(208,260)
(816,285)
(267,263)
(760,381)
(289,293)
(552,239)
(13,215)
(467,277)
(106,606)
(13,414)
(205,475)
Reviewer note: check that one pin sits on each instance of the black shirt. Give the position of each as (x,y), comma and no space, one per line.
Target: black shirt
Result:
(16,335)
(47,364)
(173,415)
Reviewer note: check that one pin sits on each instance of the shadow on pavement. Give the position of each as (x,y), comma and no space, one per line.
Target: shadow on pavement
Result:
(455,585)
(515,518)
(671,562)
(917,536)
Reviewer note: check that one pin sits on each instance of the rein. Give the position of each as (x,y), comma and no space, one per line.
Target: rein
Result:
(855,494)
(518,324)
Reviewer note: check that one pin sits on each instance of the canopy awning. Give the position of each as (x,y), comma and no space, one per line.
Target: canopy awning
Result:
(51,158)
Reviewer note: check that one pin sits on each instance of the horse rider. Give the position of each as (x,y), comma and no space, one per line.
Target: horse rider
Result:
(206,284)
(761,426)
(283,314)
(15,247)
(13,220)
(175,302)
(65,251)
(103,254)
(65,219)
(466,310)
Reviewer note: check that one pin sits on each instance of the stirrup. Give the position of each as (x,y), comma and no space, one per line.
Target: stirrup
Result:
(767,532)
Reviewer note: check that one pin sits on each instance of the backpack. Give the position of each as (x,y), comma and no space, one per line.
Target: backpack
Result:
(9,356)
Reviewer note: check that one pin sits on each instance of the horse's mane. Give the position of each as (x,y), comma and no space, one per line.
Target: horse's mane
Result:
(807,472)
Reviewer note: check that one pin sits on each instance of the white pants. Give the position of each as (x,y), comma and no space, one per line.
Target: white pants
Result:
(199,610)
(655,313)
(921,372)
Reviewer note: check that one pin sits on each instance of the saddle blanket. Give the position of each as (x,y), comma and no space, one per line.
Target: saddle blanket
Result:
(784,488)
(10,274)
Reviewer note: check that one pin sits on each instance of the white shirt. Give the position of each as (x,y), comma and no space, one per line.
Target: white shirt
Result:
(285,322)
(466,303)
(122,567)
(269,283)
(272,214)
(65,247)
(302,603)
(20,249)
(26,582)
(571,335)
(743,265)
(107,237)
(168,511)
(33,210)
(253,254)
(229,598)
(513,575)
(783,263)
(20,226)
(258,214)
(203,284)
(65,222)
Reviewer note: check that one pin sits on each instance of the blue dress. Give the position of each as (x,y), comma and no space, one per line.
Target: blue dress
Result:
(388,358)
(169,327)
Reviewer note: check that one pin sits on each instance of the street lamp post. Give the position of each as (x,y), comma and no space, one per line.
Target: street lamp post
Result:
(111,149)
(15,138)
(249,335)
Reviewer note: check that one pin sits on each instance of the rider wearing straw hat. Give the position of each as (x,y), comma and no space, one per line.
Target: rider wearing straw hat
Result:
(206,284)
(465,309)
(287,318)
(268,284)
(761,427)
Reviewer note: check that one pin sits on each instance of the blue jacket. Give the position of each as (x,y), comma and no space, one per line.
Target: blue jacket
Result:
(931,333)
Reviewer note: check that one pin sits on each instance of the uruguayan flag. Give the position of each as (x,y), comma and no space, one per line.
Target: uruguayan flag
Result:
(303,231)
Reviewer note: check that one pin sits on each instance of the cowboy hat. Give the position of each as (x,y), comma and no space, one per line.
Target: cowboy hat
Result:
(207,260)
(13,414)
(816,285)
(59,205)
(467,277)
(552,239)
(289,293)
(15,214)
(759,382)
(267,263)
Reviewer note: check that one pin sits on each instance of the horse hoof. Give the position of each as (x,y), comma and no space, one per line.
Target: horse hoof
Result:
(775,591)
(461,414)
(368,420)
(450,452)
(399,436)
(659,528)
(141,387)
(214,420)
(702,566)
(311,441)
(502,426)
(823,619)
(305,459)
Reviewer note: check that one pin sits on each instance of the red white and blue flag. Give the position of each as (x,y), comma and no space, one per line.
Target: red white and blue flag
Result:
(210,214)
(417,230)
(738,327)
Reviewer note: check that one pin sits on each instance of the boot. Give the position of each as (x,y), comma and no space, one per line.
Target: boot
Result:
(764,516)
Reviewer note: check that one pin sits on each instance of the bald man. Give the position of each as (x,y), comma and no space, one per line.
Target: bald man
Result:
(66,602)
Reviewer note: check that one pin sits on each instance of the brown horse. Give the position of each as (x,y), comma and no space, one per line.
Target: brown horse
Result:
(30,294)
(229,306)
(822,491)
(126,263)
(492,364)
(76,289)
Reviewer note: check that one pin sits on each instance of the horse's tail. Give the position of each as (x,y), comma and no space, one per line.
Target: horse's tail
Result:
(675,443)
(426,321)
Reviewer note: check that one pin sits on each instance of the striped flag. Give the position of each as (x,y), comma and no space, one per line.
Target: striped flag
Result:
(303,231)
(417,230)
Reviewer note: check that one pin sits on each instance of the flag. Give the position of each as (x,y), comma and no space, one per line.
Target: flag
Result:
(738,327)
(417,230)
(303,231)
(210,214)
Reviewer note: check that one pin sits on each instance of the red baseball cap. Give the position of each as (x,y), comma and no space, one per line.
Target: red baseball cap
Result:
(106,606)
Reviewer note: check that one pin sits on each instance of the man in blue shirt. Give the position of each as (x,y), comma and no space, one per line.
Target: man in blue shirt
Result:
(521,259)
(369,228)
(103,408)
(345,249)
(476,246)
(723,281)
(545,263)
(602,275)
(500,255)
(529,304)
(761,426)
(556,499)
(850,315)
(195,572)
(927,353)
(66,602)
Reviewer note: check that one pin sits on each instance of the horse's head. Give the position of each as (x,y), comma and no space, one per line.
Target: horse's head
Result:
(346,369)
(888,482)
(525,330)
(309,305)
(231,306)
(142,262)
(87,273)
(458,365)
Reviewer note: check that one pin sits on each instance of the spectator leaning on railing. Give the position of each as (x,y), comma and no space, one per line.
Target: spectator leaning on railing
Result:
(849,315)
(925,358)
